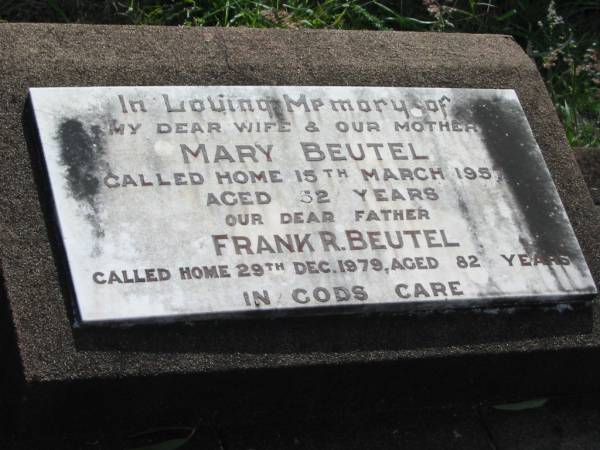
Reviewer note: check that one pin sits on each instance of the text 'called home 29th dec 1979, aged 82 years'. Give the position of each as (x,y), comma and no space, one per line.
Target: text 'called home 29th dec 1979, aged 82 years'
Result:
(179,202)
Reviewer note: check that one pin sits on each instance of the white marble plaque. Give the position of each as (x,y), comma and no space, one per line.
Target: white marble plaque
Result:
(196,202)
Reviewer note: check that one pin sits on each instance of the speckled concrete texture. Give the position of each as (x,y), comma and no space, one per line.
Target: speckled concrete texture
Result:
(589,162)
(62,365)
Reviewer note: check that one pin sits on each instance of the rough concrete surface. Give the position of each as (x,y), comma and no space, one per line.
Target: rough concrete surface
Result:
(245,367)
(559,424)
(589,162)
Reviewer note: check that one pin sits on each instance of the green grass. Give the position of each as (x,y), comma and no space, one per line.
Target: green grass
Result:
(562,40)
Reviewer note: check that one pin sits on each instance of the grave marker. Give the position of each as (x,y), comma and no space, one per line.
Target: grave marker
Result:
(278,364)
(178,202)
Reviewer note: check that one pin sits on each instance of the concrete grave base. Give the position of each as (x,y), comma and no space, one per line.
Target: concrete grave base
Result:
(589,162)
(233,369)
(553,423)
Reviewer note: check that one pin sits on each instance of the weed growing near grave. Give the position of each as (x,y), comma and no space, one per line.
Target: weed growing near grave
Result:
(571,68)
(563,39)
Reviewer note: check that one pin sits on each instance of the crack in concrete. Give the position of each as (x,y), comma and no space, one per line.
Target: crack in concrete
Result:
(486,428)
(230,67)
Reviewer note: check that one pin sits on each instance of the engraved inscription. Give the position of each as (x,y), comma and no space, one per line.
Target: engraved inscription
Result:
(179,202)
